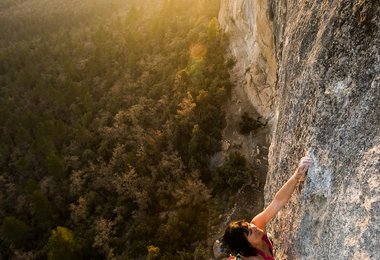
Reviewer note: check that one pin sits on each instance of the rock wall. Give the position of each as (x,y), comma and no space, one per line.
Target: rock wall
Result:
(325,101)
(328,102)
(249,27)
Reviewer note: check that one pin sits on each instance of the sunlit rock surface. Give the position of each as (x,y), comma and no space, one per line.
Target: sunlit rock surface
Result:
(326,100)
(249,27)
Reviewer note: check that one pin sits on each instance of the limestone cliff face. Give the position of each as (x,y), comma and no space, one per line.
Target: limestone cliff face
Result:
(327,102)
(249,27)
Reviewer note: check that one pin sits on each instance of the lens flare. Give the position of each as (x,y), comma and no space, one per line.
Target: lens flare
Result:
(198,51)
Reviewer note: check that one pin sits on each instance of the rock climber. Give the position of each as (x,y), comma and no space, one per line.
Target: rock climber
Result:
(249,240)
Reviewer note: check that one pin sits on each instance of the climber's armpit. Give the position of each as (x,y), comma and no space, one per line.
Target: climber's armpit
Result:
(264,217)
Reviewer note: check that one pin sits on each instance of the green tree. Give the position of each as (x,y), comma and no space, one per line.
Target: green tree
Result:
(41,209)
(62,244)
(213,30)
(232,174)
(153,252)
(16,232)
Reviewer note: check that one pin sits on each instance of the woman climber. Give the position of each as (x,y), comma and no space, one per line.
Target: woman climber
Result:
(249,240)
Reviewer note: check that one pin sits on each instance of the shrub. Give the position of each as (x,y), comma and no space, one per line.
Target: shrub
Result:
(62,244)
(248,124)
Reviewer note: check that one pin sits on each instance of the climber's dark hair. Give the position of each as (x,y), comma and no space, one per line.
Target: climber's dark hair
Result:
(235,238)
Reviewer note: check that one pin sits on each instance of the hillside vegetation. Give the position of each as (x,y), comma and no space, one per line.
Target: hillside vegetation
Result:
(110,112)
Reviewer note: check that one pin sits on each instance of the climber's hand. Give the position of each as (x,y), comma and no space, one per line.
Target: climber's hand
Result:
(303,166)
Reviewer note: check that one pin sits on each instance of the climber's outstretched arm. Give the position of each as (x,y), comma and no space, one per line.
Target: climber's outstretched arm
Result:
(283,195)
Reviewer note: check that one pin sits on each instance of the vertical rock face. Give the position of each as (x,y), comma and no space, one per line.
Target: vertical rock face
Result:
(328,102)
(249,27)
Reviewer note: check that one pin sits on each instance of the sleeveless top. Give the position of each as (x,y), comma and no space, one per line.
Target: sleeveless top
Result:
(269,243)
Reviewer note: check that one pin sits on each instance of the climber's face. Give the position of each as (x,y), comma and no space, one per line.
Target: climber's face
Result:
(254,234)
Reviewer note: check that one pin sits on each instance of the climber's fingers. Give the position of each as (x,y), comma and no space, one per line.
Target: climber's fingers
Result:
(306,161)
(306,158)
(303,166)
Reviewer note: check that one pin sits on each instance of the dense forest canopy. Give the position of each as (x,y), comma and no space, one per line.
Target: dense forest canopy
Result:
(110,111)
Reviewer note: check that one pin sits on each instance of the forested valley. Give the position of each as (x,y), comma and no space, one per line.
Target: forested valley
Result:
(110,112)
